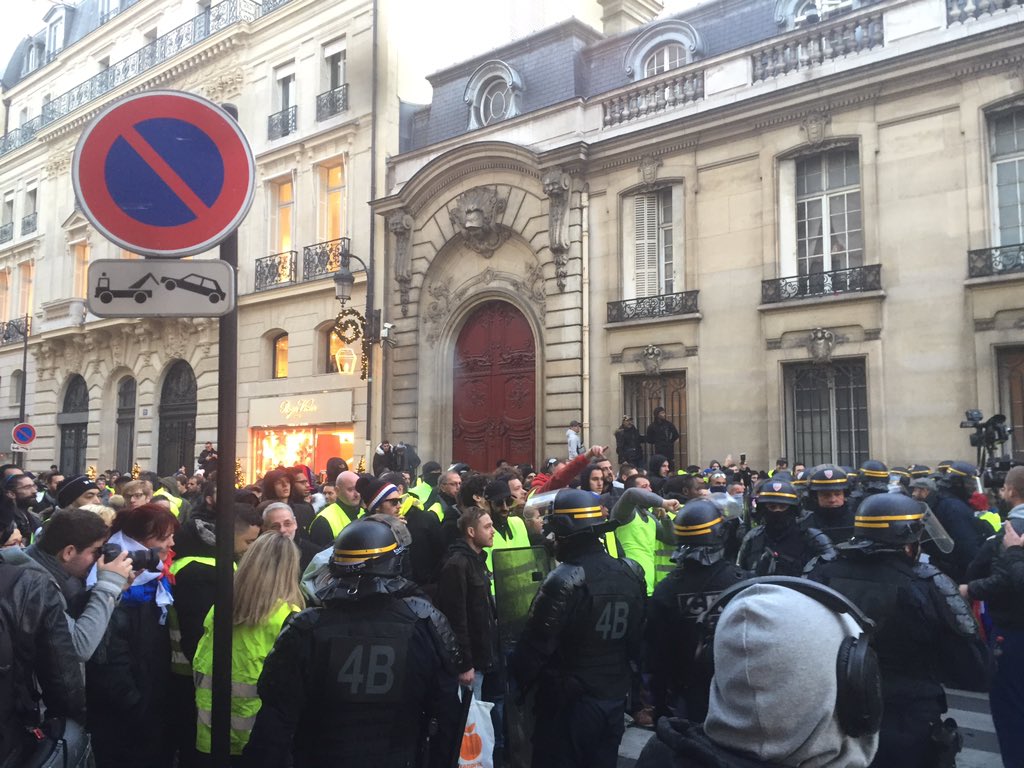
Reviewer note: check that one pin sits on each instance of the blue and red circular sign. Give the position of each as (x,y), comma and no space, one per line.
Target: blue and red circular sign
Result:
(164,173)
(23,434)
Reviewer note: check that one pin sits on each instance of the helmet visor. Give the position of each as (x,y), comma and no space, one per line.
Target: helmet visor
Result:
(934,532)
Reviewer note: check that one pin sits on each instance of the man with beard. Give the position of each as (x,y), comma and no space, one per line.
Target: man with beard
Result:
(826,505)
(782,546)
(21,490)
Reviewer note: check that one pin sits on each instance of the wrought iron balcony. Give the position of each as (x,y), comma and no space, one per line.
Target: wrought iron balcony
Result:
(817,284)
(282,123)
(279,269)
(665,305)
(29,222)
(322,259)
(7,232)
(15,331)
(1005,260)
(332,102)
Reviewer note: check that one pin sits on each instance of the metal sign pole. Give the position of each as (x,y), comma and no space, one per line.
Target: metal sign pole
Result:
(227,406)
(19,458)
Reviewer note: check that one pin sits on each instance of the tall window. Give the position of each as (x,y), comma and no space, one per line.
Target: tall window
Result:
(55,36)
(126,389)
(331,346)
(26,291)
(74,426)
(17,380)
(280,357)
(829,230)
(1006,138)
(284,216)
(334,64)
(827,413)
(5,294)
(668,56)
(653,228)
(332,201)
(81,286)
(285,77)
(8,213)
(31,197)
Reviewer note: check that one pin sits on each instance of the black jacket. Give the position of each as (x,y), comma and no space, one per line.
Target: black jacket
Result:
(662,435)
(428,548)
(682,744)
(957,518)
(195,585)
(464,597)
(997,577)
(628,445)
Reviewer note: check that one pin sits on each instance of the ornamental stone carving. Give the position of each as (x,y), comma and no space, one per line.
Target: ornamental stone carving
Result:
(651,359)
(475,216)
(556,186)
(820,343)
(815,125)
(649,165)
(400,225)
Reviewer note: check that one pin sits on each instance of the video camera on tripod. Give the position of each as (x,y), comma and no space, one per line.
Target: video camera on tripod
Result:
(989,436)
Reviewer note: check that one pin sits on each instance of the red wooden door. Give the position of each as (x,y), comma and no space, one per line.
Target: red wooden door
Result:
(494,415)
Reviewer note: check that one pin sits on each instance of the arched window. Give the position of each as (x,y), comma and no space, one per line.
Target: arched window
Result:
(17,381)
(279,364)
(494,93)
(662,47)
(125,424)
(177,446)
(73,421)
(331,346)
(668,56)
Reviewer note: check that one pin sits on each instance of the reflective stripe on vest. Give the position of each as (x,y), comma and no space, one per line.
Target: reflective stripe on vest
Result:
(638,540)
(519,538)
(180,665)
(421,490)
(438,510)
(408,502)
(335,516)
(611,544)
(174,501)
(249,649)
(992,519)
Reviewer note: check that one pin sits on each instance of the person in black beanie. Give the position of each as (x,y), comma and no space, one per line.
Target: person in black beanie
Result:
(76,492)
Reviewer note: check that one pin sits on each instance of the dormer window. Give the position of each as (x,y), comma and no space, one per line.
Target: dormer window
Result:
(662,47)
(664,58)
(791,14)
(494,93)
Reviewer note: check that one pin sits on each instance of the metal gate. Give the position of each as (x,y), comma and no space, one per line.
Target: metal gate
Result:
(827,413)
(73,421)
(177,446)
(642,394)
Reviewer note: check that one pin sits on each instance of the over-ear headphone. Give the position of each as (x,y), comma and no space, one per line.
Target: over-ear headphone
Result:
(859,682)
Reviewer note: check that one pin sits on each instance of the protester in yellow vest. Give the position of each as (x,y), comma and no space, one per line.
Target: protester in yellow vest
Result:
(509,531)
(333,518)
(265,595)
(638,512)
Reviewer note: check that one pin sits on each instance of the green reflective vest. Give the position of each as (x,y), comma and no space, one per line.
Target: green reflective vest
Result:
(638,540)
(421,490)
(611,545)
(180,664)
(993,519)
(173,500)
(409,501)
(335,517)
(519,538)
(249,648)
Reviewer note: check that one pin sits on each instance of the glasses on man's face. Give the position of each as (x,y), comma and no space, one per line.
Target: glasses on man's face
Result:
(136,495)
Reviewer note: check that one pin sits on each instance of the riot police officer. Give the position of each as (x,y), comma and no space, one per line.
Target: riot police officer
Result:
(925,633)
(366,678)
(872,478)
(783,545)
(826,504)
(584,628)
(956,485)
(672,635)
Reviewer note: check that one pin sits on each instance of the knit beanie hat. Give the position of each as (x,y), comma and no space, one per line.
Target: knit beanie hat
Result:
(72,488)
(376,492)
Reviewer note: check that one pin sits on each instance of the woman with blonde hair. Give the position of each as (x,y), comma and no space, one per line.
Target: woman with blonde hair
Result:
(266,593)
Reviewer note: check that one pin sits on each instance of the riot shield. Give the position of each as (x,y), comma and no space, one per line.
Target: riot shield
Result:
(518,574)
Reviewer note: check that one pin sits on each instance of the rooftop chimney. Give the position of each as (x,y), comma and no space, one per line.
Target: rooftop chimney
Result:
(623,15)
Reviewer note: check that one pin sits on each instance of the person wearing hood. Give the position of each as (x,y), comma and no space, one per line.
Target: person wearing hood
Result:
(301,497)
(385,458)
(357,679)
(658,470)
(629,443)
(770,704)
(662,433)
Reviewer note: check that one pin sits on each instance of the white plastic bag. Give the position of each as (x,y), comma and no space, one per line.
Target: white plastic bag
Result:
(477,749)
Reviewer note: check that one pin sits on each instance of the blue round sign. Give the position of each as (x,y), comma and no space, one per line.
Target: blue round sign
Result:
(23,433)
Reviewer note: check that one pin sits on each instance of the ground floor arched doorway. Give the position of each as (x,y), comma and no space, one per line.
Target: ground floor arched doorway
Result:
(494,413)
(177,443)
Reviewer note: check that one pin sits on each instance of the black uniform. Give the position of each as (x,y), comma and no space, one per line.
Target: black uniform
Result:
(771,550)
(672,637)
(925,636)
(584,627)
(836,523)
(357,681)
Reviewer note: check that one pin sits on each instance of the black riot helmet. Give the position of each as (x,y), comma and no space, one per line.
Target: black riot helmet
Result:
(828,477)
(873,476)
(367,547)
(918,471)
(700,531)
(890,518)
(959,479)
(574,512)
(774,491)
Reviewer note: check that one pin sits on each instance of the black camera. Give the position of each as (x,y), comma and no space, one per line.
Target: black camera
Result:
(142,559)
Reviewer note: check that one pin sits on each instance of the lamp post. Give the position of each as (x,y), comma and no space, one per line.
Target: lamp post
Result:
(351,326)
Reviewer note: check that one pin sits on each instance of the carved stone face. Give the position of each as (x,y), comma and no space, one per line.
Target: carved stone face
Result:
(475,219)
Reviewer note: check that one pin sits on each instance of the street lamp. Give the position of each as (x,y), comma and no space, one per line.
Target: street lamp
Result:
(350,326)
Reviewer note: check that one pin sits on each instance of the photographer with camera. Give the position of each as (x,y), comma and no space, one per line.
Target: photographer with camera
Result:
(128,677)
(66,552)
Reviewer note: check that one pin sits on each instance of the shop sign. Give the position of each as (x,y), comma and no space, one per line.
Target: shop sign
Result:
(301,410)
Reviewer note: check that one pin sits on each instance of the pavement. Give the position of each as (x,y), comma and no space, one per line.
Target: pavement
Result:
(970,710)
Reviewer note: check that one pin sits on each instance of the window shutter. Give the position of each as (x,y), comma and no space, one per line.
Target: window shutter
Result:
(645,262)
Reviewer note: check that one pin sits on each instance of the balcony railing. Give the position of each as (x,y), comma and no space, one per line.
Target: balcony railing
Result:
(659,96)
(959,11)
(822,42)
(279,269)
(332,102)
(282,123)
(6,232)
(648,307)
(817,284)
(322,259)
(181,38)
(1004,260)
(14,331)
(29,222)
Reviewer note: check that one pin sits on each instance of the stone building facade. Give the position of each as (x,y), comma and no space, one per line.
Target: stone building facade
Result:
(794,224)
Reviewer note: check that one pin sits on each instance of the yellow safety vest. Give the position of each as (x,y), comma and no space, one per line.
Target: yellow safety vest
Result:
(519,538)
(438,510)
(638,541)
(249,649)
(335,517)
(173,500)
(611,544)
(409,501)
(421,490)
(992,519)
(180,664)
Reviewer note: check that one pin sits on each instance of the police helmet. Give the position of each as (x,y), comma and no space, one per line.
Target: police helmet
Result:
(800,481)
(873,475)
(700,524)
(774,491)
(919,470)
(959,476)
(828,477)
(890,518)
(367,547)
(572,512)
(900,475)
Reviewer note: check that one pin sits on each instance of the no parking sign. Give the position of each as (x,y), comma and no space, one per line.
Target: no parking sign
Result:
(164,173)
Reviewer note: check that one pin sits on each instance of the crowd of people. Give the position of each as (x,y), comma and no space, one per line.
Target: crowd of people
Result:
(802,616)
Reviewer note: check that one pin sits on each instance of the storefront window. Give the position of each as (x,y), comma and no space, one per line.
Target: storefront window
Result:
(312,446)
